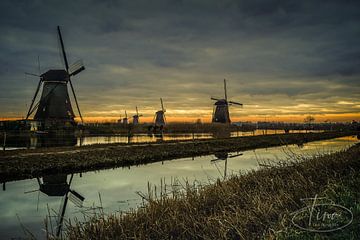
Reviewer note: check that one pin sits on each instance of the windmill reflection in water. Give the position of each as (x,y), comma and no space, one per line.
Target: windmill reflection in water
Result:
(223,157)
(58,186)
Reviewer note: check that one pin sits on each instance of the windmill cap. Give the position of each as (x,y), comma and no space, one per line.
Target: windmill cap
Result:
(221,102)
(55,75)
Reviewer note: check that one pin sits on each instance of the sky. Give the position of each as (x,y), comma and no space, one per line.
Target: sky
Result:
(282,59)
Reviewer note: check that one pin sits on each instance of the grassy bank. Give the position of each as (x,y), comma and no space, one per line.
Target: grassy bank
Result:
(16,165)
(257,205)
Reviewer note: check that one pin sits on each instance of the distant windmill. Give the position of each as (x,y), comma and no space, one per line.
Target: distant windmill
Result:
(221,108)
(136,117)
(57,186)
(125,119)
(54,106)
(120,119)
(160,119)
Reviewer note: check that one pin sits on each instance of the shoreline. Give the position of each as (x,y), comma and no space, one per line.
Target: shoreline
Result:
(24,164)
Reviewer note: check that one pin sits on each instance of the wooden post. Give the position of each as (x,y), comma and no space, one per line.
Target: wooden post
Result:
(4,143)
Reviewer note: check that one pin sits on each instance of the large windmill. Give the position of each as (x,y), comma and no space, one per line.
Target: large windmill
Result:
(136,117)
(221,108)
(54,109)
(160,119)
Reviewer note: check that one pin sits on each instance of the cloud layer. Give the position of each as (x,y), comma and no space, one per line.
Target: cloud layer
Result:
(280,57)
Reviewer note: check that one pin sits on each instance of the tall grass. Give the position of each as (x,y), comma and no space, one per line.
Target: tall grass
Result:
(250,206)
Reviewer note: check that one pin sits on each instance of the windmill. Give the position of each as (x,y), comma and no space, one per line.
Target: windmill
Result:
(223,156)
(57,186)
(120,119)
(160,119)
(136,117)
(54,107)
(221,108)
(125,119)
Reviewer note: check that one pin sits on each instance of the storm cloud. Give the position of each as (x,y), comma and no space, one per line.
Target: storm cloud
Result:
(279,57)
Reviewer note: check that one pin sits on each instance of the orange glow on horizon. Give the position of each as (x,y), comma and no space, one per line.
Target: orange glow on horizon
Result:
(346,117)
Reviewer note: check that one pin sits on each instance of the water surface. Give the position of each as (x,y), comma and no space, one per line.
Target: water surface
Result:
(21,202)
(31,142)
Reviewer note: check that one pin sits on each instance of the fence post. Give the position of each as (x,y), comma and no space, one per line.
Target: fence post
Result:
(4,143)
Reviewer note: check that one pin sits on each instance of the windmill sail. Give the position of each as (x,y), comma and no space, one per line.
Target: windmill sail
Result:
(76,68)
(236,103)
(76,198)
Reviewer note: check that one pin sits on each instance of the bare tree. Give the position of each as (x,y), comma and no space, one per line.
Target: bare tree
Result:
(309,119)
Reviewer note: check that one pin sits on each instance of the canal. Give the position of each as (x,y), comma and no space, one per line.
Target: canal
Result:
(25,204)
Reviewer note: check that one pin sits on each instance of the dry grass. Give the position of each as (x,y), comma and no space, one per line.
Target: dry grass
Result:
(251,206)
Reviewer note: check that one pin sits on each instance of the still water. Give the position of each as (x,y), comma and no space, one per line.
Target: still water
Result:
(23,206)
(141,138)
(15,142)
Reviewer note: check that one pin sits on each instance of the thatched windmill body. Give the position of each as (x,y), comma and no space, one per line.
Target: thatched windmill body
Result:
(221,108)
(54,109)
